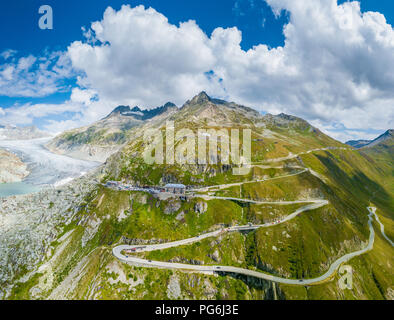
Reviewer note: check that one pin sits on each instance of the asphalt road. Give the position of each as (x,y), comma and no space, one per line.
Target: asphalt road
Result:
(313,204)
(117,251)
(293,156)
(373,211)
(279,203)
(216,233)
(236,184)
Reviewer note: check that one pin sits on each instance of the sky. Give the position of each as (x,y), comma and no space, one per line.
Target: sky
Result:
(329,62)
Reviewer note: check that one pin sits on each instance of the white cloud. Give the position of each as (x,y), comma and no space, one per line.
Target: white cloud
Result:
(6,54)
(339,131)
(337,64)
(85,97)
(336,68)
(140,58)
(25,114)
(32,76)
(81,109)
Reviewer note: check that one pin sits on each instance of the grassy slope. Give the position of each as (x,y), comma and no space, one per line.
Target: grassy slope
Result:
(353,181)
(94,260)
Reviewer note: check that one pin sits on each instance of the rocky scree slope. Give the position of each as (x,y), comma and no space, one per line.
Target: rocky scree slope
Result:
(12,169)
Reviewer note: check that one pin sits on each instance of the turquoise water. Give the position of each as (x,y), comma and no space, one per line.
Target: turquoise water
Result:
(12,189)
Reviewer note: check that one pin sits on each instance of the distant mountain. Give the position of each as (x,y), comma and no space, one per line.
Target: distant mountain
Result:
(8,132)
(106,136)
(139,114)
(385,137)
(382,151)
(358,144)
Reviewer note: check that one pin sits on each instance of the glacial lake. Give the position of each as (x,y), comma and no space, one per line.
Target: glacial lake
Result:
(18,188)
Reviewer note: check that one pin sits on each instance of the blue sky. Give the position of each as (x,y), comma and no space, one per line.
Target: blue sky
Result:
(254,18)
(19,31)
(18,23)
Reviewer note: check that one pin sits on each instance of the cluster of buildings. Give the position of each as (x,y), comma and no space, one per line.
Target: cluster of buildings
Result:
(168,188)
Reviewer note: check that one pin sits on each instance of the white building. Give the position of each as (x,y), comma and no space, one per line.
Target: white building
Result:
(175,188)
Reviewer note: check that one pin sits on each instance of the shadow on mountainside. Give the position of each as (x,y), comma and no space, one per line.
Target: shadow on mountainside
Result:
(357,187)
(271,290)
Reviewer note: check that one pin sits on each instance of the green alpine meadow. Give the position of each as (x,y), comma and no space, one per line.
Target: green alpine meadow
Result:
(304,204)
(196,159)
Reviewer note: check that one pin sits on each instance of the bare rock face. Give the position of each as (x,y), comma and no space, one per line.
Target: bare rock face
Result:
(138,242)
(29,224)
(201,207)
(209,291)
(186,261)
(174,288)
(172,207)
(215,256)
(390,294)
(12,169)
(180,216)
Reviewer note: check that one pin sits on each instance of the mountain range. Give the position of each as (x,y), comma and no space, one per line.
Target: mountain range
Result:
(105,137)
(293,164)
(358,144)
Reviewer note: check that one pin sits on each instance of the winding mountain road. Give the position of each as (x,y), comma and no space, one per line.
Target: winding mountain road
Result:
(216,233)
(280,203)
(293,156)
(313,204)
(117,252)
(236,184)
(263,165)
(373,210)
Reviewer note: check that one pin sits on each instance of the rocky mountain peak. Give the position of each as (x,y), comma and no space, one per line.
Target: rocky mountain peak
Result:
(121,109)
(138,114)
(125,111)
(136,109)
(201,98)
(169,105)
